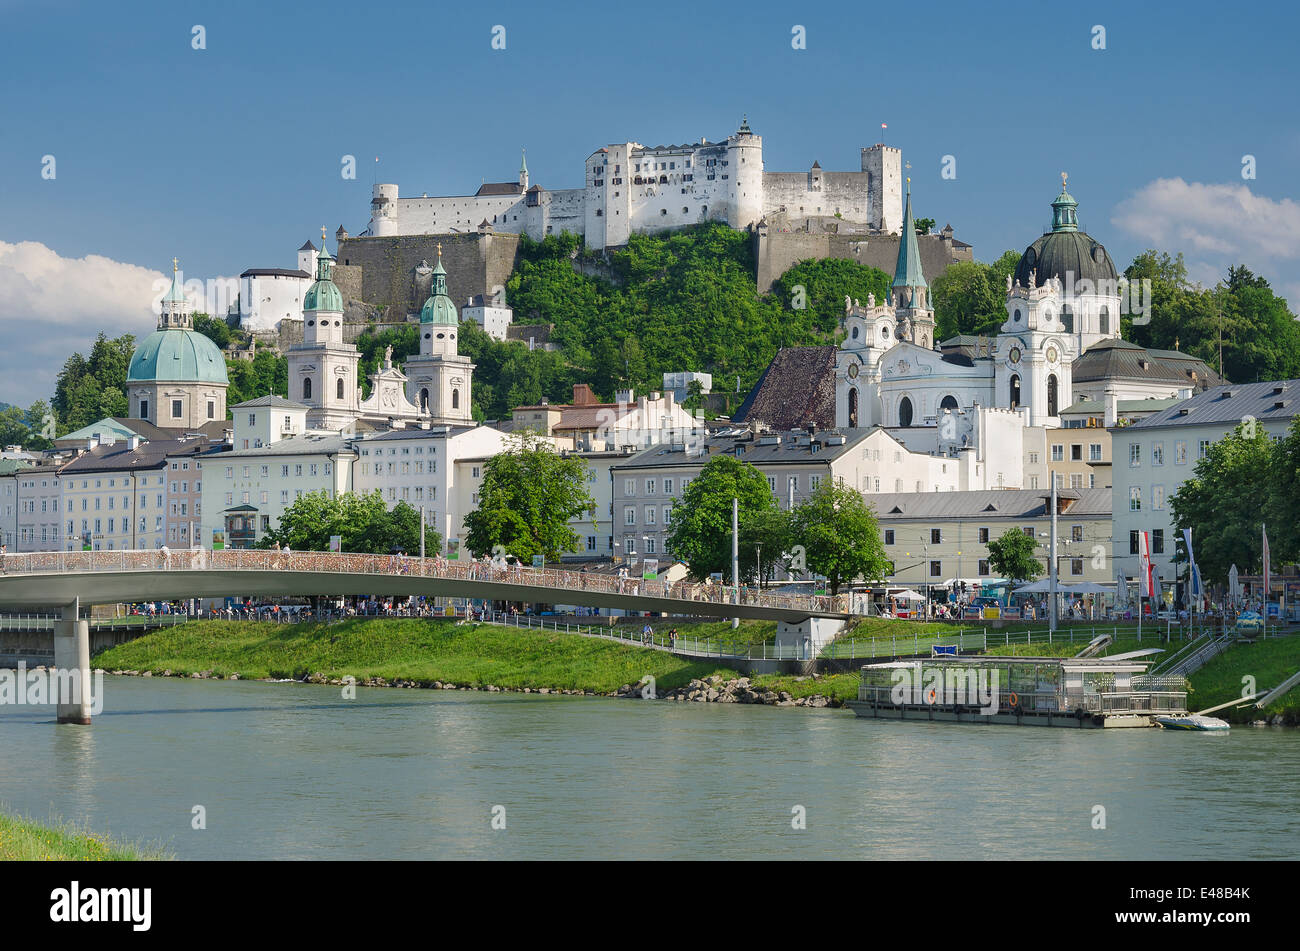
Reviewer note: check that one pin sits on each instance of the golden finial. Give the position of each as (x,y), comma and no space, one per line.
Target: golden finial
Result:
(322,236)
(440,249)
(1064,176)
(175,265)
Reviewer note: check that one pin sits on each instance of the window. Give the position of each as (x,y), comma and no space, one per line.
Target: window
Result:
(1094,452)
(1158,454)
(1076,480)
(629,487)
(1133,542)
(1134,455)
(1134,499)
(1028,530)
(649,514)
(984,536)
(936,536)
(936,569)
(649,486)
(1180,452)
(144,409)
(1076,452)
(306,388)
(889,536)
(284,472)
(771,483)
(230,472)
(339,389)
(982,569)
(297,469)
(1157,497)
(176,409)
(815,481)
(1076,566)
(1204,449)
(629,515)
(668,485)
(1058,453)
(1158,541)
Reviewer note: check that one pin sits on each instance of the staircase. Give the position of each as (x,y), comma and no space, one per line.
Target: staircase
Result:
(1201,656)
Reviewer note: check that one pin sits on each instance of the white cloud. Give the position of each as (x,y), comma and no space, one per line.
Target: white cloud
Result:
(52,306)
(1216,226)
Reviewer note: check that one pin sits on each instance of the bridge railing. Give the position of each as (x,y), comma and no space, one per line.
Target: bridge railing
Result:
(72,562)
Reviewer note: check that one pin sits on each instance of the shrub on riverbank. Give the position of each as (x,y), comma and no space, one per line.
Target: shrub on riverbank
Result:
(22,840)
(414,649)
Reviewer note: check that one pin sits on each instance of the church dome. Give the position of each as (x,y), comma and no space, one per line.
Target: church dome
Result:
(324,294)
(177,355)
(439,309)
(1065,252)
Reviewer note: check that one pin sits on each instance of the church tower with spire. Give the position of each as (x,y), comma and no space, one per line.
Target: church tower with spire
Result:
(323,369)
(911,293)
(438,380)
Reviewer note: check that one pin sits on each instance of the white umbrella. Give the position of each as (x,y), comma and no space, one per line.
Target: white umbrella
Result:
(1038,587)
(907,595)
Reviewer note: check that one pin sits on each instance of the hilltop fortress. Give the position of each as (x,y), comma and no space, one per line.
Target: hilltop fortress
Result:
(631,188)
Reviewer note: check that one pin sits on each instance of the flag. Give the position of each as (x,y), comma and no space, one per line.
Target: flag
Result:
(1267,566)
(1194,575)
(1121,588)
(1145,589)
(883,126)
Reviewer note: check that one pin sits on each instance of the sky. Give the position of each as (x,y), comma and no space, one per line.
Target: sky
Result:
(230,156)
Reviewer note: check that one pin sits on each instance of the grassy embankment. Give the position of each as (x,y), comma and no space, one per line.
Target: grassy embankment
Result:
(22,840)
(1269,661)
(404,648)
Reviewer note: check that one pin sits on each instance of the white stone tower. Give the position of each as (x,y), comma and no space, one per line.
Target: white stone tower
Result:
(745,164)
(884,168)
(439,379)
(323,369)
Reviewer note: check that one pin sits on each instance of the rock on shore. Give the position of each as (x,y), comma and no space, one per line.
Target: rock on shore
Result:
(741,690)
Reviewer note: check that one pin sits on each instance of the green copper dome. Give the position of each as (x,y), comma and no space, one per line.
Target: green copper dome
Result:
(324,294)
(1065,252)
(175,355)
(439,309)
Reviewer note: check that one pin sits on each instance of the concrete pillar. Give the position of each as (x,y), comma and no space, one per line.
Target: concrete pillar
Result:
(72,666)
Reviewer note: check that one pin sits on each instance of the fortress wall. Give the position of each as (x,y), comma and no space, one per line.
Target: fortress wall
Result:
(777,252)
(381,271)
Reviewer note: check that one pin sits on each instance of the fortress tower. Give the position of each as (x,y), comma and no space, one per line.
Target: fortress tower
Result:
(884,168)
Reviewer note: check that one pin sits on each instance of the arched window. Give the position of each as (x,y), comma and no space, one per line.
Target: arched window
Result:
(424,400)
(1014,395)
(339,389)
(905,412)
(455,399)
(948,402)
(853,406)
(1105,320)
(306,388)
(144,409)
(1051,394)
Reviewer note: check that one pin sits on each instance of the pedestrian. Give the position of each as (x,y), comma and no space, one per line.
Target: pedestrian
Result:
(4,560)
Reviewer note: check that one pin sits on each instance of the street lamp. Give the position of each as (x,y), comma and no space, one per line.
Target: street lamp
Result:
(758,560)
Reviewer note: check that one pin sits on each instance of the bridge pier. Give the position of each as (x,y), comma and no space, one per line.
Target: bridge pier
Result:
(71,675)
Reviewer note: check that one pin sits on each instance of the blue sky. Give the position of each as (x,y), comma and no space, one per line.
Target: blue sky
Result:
(229,157)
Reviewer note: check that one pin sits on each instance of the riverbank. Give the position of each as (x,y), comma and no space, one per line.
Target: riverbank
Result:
(22,840)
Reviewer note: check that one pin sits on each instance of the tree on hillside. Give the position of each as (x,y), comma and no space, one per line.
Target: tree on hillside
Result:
(1011,555)
(528,495)
(1284,505)
(699,529)
(218,331)
(364,523)
(91,388)
(825,283)
(970,297)
(1226,499)
(841,535)
(267,374)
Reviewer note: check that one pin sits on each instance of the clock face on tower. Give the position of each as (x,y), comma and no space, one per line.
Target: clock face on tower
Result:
(853,371)
(1051,354)
(1014,355)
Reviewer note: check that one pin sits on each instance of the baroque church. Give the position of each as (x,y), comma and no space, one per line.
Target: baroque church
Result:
(1060,343)
(323,369)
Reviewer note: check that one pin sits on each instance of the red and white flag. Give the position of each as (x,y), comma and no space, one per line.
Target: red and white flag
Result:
(1147,589)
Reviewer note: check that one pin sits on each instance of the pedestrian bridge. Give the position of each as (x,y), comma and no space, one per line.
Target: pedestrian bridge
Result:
(42,580)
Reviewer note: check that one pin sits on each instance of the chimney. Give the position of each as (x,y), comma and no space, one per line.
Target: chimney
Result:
(133,443)
(92,442)
(1112,407)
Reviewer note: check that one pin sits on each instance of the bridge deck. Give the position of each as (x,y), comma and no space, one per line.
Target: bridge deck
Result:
(104,577)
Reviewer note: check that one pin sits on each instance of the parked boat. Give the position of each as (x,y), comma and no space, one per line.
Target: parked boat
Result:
(1192,721)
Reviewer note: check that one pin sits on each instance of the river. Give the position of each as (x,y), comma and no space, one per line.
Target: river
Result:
(291,771)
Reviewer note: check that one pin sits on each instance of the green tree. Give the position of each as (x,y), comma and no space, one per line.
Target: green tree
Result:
(923,225)
(267,374)
(841,535)
(1011,555)
(1284,505)
(218,331)
(969,297)
(528,495)
(363,522)
(1225,500)
(699,530)
(91,388)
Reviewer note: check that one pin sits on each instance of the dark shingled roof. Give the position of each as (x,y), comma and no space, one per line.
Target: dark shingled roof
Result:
(1120,359)
(275,272)
(797,390)
(1229,404)
(499,188)
(1065,254)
